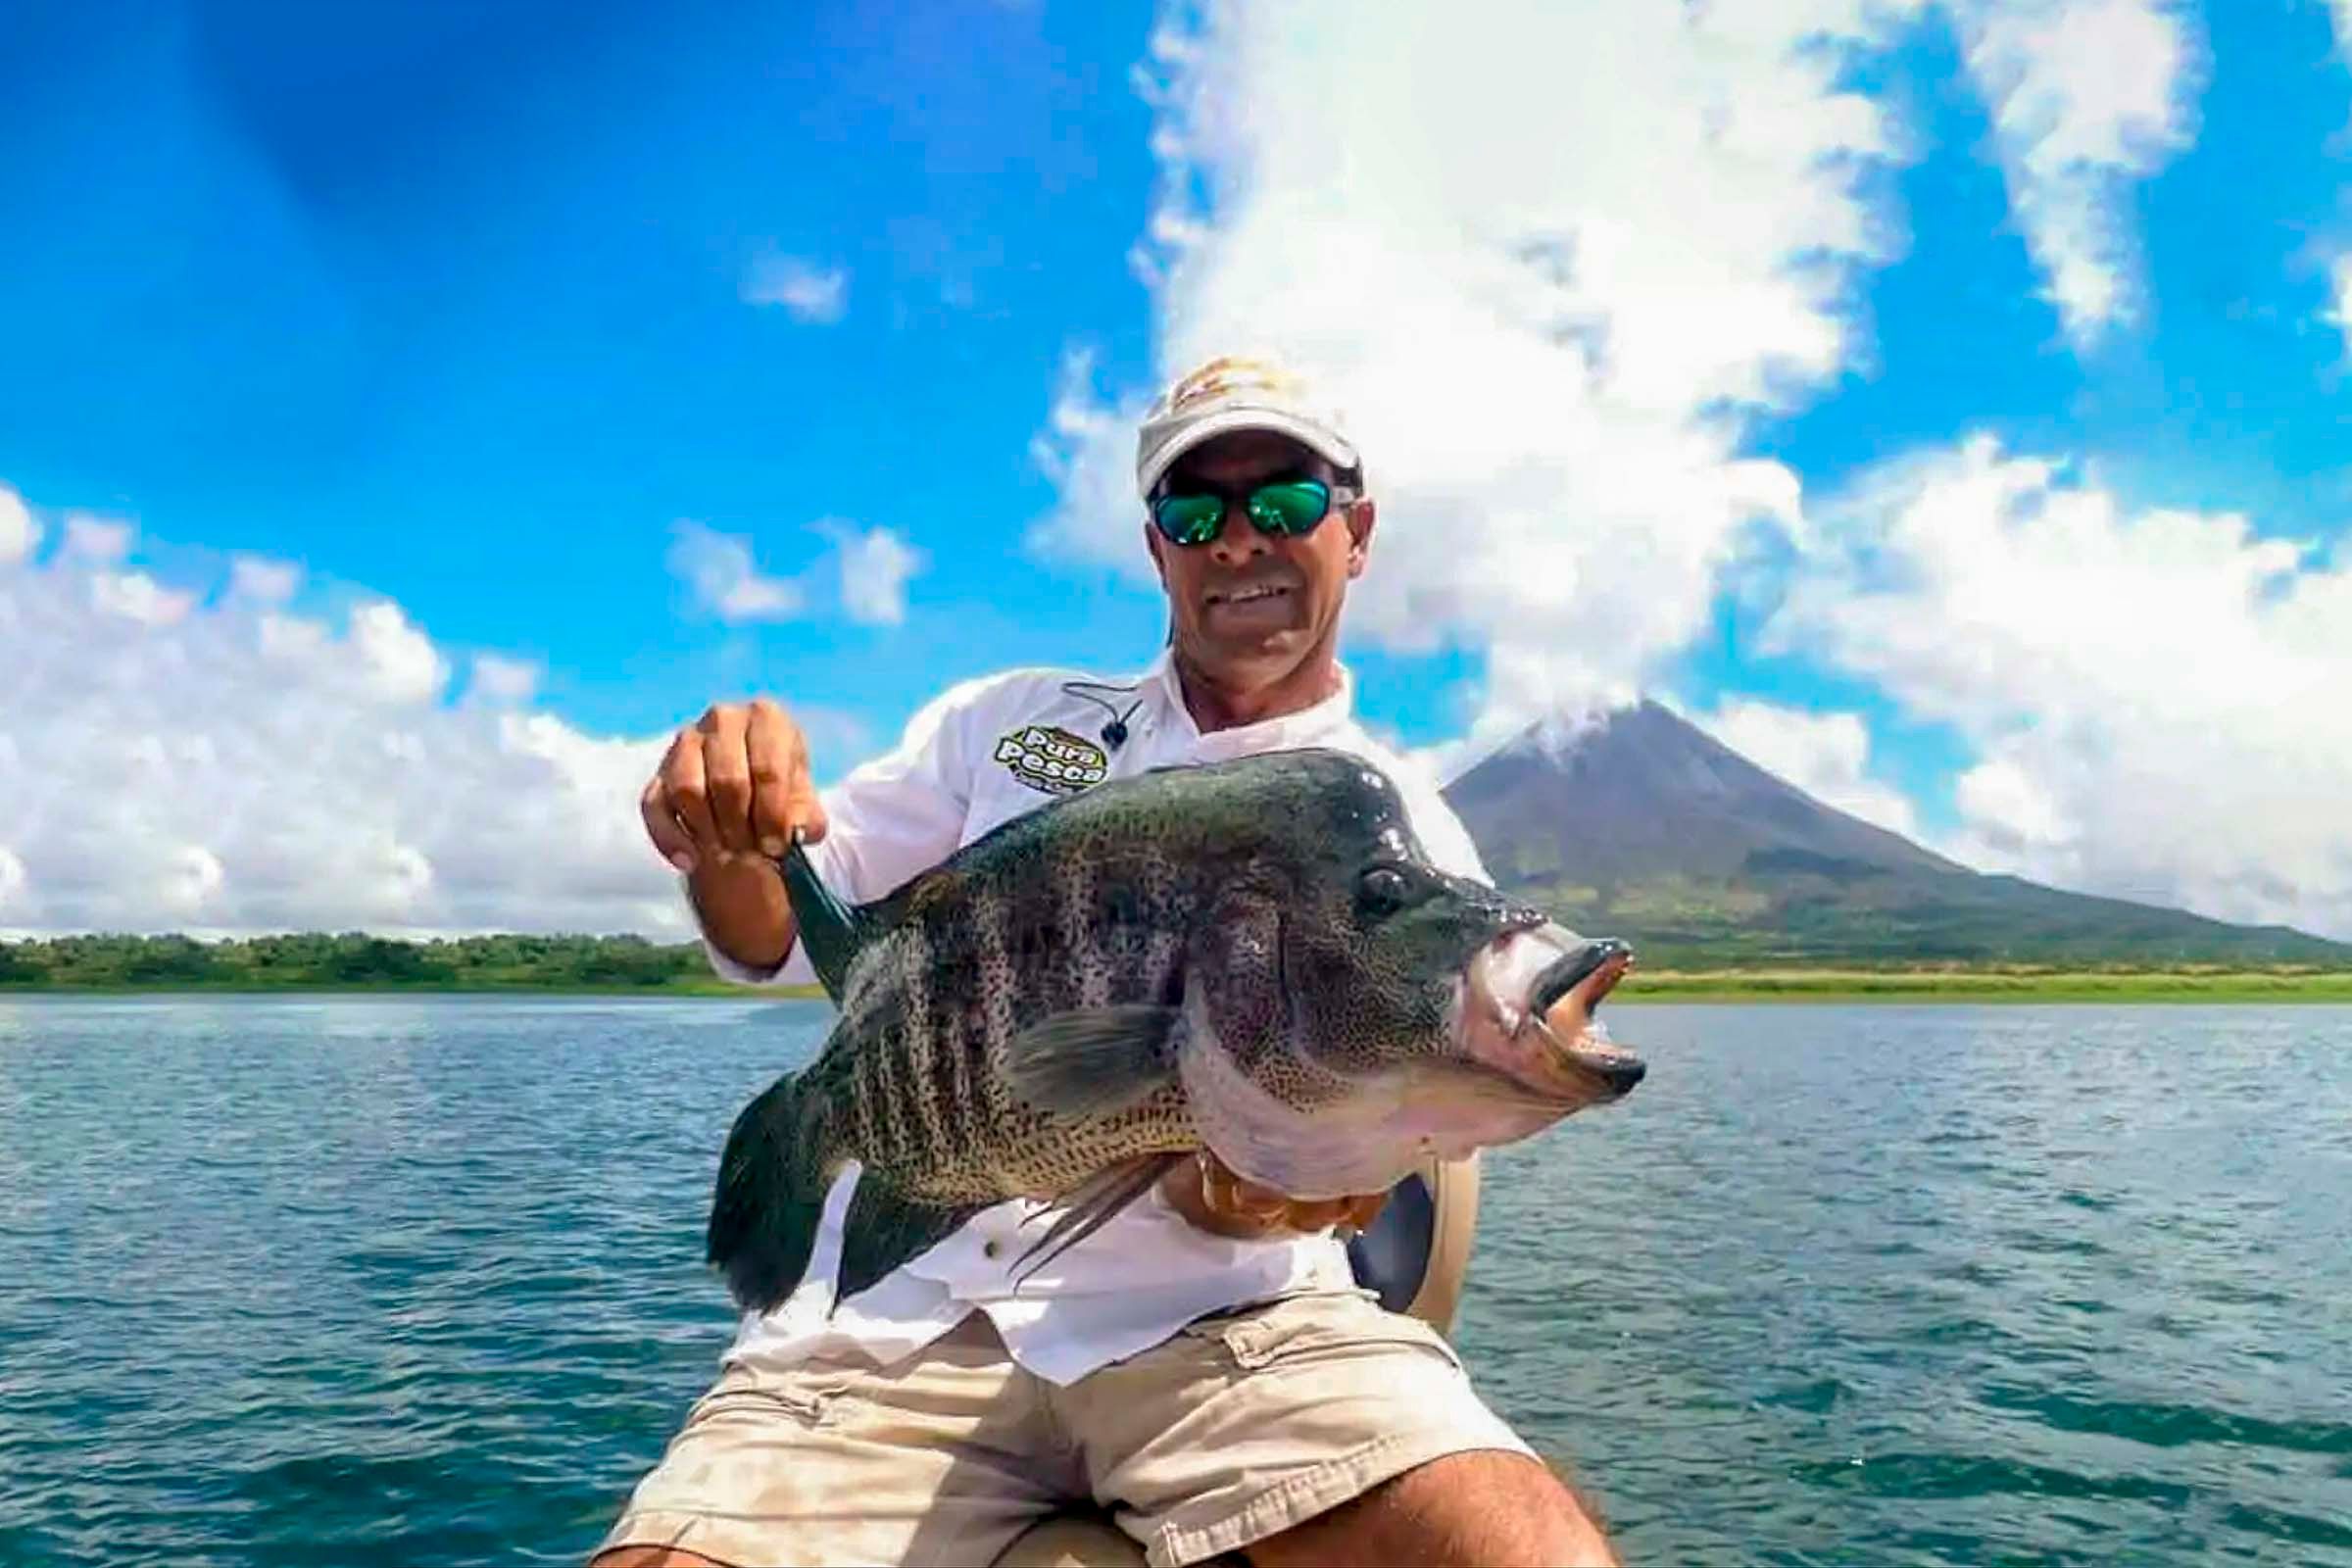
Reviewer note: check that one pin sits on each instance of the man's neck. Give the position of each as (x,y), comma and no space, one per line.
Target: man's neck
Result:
(1215,706)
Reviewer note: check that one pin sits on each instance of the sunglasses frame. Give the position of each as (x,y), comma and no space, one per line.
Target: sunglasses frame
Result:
(1335,496)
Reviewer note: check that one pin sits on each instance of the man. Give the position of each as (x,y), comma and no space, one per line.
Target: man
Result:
(1204,1365)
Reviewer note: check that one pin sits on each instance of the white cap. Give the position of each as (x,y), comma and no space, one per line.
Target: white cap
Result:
(1229,394)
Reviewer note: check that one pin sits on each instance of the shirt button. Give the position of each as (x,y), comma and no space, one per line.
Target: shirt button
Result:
(992,1249)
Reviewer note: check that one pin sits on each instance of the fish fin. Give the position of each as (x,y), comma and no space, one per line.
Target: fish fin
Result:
(770,1194)
(885,1229)
(1093,1060)
(1092,1205)
(832,929)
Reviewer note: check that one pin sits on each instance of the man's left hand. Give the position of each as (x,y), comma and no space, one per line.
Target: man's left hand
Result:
(1207,1192)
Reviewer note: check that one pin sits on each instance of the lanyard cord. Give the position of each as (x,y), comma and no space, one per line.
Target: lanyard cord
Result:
(1114,733)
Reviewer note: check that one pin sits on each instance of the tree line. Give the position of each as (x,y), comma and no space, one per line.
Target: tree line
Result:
(352,959)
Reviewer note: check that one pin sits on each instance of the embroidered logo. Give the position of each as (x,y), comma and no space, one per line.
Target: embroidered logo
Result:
(1051,759)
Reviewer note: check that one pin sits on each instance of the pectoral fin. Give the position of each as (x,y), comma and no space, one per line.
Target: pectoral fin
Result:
(1093,1203)
(885,1230)
(830,928)
(1093,1060)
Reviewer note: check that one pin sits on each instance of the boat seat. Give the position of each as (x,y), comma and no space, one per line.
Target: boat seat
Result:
(1413,1256)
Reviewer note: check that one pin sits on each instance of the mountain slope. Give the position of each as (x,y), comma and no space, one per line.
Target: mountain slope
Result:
(1645,826)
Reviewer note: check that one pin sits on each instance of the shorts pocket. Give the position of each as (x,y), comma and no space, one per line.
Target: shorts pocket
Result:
(1334,1327)
(809,1396)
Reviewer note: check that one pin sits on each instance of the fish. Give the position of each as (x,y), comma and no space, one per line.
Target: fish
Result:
(1257,958)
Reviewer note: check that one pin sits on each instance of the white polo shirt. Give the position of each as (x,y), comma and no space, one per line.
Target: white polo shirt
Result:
(985,753)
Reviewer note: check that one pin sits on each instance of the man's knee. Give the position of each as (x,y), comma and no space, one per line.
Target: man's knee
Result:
(652,1558)
(1486,1507)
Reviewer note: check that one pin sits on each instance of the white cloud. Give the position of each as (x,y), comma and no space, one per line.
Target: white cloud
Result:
(718,571)
(875,567)
(260,580)
(396,661)
(504,680)
(2341,11)
(13,881)
(1547,257)
(2338,313)
(863,575)
(135,595)
(233,767)
(2086,97)
(816,294)
(94,538)
(1824,754)
(2156,697)
(19,533)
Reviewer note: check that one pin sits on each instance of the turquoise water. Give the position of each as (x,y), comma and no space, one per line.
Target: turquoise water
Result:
(354,1281)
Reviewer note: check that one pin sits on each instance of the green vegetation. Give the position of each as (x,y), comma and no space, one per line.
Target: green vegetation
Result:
(2007,983)
(633,965)
(353,961)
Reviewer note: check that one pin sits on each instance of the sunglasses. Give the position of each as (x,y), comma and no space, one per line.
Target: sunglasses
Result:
(1287,508)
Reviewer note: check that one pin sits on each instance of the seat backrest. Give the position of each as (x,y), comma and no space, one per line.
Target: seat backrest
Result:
(1416,1251)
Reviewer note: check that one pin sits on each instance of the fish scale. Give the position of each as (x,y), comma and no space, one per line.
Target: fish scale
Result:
(1035,1017)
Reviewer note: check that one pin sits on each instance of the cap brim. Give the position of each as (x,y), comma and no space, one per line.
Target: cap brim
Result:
(1225,421)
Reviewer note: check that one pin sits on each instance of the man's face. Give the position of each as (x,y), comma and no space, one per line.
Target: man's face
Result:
(1251,606)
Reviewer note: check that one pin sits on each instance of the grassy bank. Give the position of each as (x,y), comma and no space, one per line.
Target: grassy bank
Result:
(1988,984)
(576,966)
(1694,984)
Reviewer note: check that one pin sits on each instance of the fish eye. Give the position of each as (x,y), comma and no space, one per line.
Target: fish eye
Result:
(1384,890)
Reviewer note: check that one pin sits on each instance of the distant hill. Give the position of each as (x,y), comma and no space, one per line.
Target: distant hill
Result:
(1646,827)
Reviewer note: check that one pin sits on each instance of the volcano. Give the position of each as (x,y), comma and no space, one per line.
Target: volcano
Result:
(1643,825)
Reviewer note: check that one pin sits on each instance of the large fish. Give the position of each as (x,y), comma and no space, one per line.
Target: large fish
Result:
(1255,956)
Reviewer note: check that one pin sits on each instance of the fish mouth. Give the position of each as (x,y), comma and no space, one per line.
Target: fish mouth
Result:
(1532,1013)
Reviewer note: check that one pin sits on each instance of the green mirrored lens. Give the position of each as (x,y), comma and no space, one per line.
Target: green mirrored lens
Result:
(1293,507)
(1190,520)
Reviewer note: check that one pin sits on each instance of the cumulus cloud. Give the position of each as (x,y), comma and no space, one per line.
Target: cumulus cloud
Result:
(1549,260)
(19,533)
(95,538)
(499,679)
(2338,315)
(135,595)
(2156,697)
(819,295)
(2088,97)
(876,565)
(260,580)
(719,572)
(231,768)
(862,574)
(1824,754)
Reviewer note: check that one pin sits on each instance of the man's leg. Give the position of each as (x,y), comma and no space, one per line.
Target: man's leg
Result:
(1477,1508)
(943,1458)
(1317,1429)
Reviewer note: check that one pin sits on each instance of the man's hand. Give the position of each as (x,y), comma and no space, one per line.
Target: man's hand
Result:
(725,802)
(1207,1192)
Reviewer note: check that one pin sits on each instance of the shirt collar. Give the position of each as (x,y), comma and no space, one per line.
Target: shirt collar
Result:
(1334,713)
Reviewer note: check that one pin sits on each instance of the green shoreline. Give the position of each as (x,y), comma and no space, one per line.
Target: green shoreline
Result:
(1684,986)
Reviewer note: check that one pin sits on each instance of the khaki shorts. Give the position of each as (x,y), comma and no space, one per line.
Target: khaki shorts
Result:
(1239,1427)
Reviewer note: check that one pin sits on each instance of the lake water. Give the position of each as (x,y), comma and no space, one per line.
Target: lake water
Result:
(353,1281)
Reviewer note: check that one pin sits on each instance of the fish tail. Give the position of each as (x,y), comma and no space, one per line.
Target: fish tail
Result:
(772,1180)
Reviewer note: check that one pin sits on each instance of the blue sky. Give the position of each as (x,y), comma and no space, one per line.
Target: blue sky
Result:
(530,321)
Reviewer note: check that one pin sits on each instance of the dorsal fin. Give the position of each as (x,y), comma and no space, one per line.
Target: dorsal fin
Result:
(832,930)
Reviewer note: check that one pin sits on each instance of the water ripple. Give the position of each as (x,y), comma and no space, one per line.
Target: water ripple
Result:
(356,1281)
